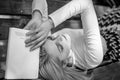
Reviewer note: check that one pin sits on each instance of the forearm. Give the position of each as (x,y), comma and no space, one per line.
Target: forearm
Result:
(41,7)
(70,9)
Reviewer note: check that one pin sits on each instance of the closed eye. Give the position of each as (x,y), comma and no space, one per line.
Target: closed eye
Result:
(60,47)
(64,37)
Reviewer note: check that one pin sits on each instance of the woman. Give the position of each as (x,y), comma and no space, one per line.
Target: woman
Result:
(70,54)
(65,56)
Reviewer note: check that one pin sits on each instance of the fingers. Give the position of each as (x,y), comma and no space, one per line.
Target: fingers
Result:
(37,45)
(38,36)
(35,40)
(30,33)
(34,35)
(33,32)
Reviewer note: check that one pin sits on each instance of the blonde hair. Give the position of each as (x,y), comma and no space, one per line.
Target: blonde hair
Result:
(51,68)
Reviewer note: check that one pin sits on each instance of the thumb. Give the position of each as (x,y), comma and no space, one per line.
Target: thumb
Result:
(28,26)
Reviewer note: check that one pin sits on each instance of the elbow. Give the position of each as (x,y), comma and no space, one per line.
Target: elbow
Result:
(93,61)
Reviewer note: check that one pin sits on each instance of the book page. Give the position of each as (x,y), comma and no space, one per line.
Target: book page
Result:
(21,63)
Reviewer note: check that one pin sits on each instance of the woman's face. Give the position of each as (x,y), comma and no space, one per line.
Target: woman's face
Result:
(58,46)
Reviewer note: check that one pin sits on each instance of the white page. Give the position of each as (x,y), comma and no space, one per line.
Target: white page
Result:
(21,63)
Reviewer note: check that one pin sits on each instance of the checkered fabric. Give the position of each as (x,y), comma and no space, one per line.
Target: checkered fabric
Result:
(109,25)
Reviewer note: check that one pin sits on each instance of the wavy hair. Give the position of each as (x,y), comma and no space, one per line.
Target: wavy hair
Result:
(51,68)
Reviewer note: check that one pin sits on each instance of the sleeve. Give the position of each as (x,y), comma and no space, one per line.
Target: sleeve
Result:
(94,49)
(93,55)
(40,5)
(72,8)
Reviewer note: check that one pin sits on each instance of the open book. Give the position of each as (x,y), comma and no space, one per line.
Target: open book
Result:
(21,63)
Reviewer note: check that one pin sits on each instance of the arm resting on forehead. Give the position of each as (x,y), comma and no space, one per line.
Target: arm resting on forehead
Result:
(92,38)
(94,50)
(72,8)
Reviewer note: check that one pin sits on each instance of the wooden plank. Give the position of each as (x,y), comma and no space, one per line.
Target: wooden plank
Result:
(5,24)
(24,6)
(55,4)
(15,6)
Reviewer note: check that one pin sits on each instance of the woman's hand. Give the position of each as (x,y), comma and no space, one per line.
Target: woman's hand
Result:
(39,35)
(35,22)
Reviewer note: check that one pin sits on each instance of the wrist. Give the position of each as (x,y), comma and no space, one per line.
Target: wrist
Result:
(37,14)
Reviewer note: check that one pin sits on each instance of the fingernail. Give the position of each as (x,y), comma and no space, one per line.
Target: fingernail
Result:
(25,41)
(31,49)
(28,40)
(26,45)
(29,44)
